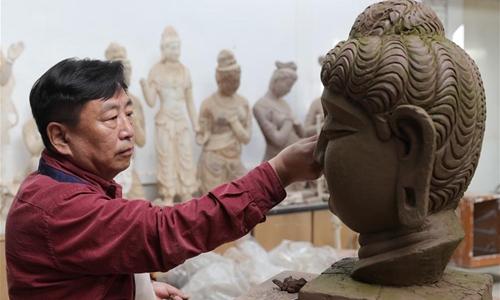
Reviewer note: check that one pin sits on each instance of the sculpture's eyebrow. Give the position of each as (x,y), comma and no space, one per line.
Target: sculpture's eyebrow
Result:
(343,110)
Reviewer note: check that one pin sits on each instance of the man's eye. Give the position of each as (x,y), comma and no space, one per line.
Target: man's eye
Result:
(130,114)
(113,118)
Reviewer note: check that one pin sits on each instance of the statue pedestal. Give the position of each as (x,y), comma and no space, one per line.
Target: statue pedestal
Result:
(336,284)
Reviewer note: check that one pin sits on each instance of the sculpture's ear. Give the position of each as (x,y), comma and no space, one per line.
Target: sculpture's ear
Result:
(416,153)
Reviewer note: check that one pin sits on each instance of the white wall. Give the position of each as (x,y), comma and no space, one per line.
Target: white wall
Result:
(482,42)
(258,31)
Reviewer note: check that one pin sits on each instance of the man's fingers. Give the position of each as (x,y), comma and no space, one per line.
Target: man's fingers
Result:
(310,139)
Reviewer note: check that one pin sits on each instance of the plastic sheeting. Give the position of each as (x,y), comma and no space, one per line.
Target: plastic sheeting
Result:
(241,268)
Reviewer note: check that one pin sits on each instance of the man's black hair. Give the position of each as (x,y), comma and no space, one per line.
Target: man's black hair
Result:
(61,93)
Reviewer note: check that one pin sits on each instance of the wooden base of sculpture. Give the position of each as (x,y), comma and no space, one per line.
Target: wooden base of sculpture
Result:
(336,284)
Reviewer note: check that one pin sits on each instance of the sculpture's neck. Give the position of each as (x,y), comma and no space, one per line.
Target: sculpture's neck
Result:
(169,61)
(386,258)
(225,96)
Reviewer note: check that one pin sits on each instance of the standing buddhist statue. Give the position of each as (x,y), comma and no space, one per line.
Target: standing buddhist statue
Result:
(170,80)
(225,124)
(8,119)
(275,118)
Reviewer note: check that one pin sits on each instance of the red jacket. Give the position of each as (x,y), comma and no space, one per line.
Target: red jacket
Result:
(70,235)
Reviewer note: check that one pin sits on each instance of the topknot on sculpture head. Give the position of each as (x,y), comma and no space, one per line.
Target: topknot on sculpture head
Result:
(396,18)
(115,51)
(416,102)
(226,61)
(170,35)
(284,70)
(286,65)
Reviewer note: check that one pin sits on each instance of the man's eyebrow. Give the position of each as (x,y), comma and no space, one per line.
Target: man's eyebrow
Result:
(108,106)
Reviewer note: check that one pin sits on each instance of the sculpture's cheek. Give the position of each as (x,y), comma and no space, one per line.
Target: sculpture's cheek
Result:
(361,171)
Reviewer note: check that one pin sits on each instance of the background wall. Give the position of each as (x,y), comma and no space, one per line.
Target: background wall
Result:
(259,32)
(482,42)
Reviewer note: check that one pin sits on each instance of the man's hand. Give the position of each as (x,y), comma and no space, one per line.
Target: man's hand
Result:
(296,162)
(168,292)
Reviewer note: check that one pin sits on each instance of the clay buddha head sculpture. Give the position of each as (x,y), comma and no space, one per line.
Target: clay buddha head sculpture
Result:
(405,118)
(228,73)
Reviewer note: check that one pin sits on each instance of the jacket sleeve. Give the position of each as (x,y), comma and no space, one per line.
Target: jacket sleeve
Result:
(116,236)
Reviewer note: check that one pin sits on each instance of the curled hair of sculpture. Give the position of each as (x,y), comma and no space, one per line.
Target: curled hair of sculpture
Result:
(396,17)
(385,68)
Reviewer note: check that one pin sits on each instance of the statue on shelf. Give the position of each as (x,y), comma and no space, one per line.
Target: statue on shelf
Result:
(405,119)
(315,114)
(225,124)
(274,116)
(129,179)
(170,80)
(8,119)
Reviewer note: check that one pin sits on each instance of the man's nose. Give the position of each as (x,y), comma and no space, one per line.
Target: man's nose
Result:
(127,128)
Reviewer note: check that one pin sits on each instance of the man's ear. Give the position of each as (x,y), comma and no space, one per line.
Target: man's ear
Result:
(416,153)
(57,134)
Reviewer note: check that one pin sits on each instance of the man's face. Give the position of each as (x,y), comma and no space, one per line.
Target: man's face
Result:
(102,142)
(171,50)
(360,168)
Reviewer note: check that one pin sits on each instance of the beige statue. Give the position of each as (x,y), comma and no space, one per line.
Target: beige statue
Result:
(8,119)
(225,124)
(274,116)
(402,136)
(34,144)
(170,81)
(9,116)
(315,113)
(129,179)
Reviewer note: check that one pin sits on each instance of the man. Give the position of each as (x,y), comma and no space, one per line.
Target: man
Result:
(70,235)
